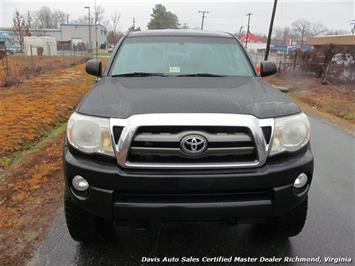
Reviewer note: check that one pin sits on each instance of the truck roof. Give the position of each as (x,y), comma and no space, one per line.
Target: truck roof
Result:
(189,33)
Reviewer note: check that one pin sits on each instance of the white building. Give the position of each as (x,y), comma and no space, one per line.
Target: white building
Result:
(40,45)
(80,33)
(77,33)
(55,33)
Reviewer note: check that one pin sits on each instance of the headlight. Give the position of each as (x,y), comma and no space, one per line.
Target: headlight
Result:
(90,134)
(290,134)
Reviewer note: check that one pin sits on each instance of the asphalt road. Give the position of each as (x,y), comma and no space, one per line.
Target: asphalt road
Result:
(329,229)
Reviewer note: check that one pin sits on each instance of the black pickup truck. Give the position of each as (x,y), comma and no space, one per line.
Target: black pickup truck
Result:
(180,126)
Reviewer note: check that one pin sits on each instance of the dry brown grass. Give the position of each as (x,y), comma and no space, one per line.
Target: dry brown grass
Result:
(31,188)
(30,110)
(337,100)
(29,198)
(17,68)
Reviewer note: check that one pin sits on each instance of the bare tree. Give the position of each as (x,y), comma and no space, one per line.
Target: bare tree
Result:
(301,28)
(114,21)
(277,34)
(59,17)
(281,35)
(112,38)
(43,18)
(82,20)
(337,32)
(99,14)
(98,17)
(29,18)
(21,28)
(114,35)
(318,28)
(287,35)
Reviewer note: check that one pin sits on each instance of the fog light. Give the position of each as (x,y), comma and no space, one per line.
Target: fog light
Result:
(80,183)
(301,181)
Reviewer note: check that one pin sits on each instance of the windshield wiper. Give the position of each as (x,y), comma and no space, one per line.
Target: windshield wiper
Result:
(139,74)
(200,75)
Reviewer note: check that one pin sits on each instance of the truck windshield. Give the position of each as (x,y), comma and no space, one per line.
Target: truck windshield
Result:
(180,56)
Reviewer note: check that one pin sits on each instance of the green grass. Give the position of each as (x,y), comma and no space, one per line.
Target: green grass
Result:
(104,54)
(347,115)
(30,149)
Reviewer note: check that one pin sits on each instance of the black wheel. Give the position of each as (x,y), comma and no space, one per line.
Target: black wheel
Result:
(83,226)
(290,224)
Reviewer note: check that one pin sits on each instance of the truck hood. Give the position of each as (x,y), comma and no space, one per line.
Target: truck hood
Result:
(124,97)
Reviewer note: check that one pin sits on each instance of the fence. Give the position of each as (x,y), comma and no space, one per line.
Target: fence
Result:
(16,68)
(339,67)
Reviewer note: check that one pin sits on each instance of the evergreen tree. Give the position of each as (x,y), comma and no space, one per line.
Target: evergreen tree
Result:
(163,19)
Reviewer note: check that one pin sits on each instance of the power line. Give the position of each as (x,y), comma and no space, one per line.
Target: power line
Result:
(270,31)
(247,36)
(203,17)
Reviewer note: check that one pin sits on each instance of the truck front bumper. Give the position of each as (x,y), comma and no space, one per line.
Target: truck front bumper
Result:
(155,195)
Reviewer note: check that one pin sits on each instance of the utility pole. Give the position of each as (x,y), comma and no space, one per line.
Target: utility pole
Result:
(29,19)
(96,21)
(270,31)
(247,36)
(134,24)
(353,28)
(203,17)
(240,31)
(89,46)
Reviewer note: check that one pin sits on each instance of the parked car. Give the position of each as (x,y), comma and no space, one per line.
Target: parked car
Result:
(110,48)
(6,50)
(181,127)
(14,49)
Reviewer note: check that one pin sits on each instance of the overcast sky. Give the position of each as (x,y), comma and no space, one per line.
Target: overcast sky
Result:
(224,15)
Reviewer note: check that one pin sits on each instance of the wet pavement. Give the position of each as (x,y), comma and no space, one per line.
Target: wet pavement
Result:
(329,230)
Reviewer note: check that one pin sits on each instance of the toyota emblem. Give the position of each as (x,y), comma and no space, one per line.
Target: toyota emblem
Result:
(193,145)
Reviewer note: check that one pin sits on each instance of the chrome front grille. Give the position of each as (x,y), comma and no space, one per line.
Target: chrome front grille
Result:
(154,140)
(162,145)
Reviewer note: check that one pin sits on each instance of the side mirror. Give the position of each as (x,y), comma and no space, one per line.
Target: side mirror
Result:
(267,68)
(94,67)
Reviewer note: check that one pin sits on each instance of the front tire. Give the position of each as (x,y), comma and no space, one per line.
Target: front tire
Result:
(290,224)
(83,226)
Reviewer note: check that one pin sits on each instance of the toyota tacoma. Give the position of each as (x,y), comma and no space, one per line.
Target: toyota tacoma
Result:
(180,126)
